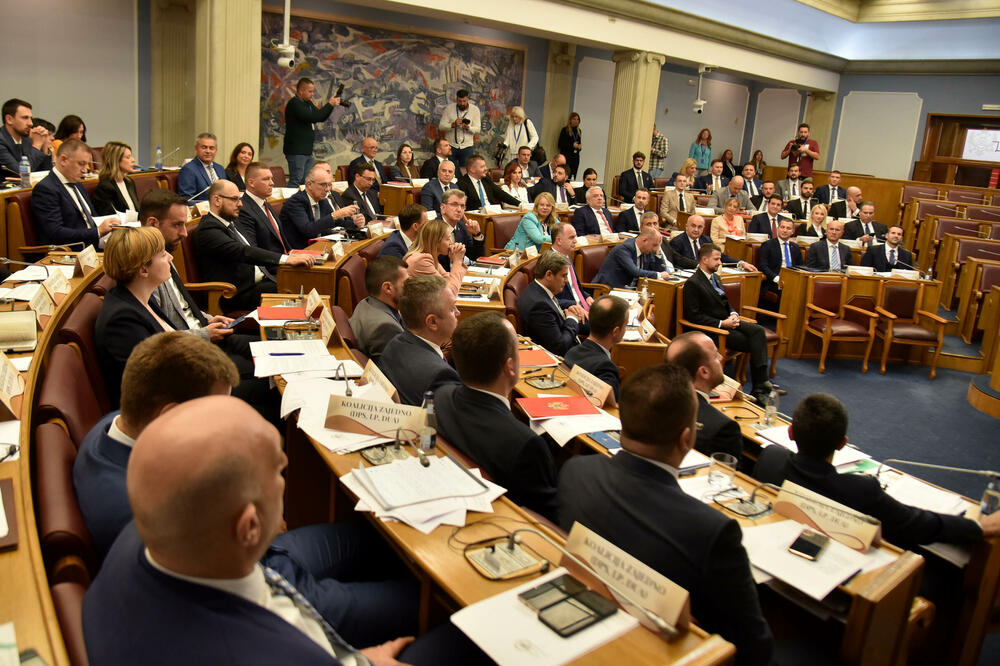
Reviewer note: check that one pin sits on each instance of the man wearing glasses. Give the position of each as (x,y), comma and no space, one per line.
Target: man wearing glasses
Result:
(312,213)
(464,231)
(361,194)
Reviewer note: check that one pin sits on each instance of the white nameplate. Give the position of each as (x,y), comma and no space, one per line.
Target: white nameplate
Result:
(327,326)
(11,386)
(338,250)
(42,304)
(373,375)
(582,241)
(56,283)
(647,330)
(86,261)
(371,417)
(314,303)
(851,528)
(597,390)
(531,252)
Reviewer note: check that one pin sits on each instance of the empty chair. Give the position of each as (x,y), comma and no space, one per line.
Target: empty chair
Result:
(168,180)
(917,192)
(371,250)
(512,289)
(964,196)
(983,213)
(78,332)
(66,396)
(499,230)
(280,179)
(351,283)
(900,316)
(589,259)
(832,319)
(144,185)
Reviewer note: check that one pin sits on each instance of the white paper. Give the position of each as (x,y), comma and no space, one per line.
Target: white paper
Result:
(512,635)
(630,297)
(702,210)
(564,428)
(22,363)
(24,292)
(914,492)
(268,366)
(8,639)
(29,273)
(407,482)
(304,347)
(313,394)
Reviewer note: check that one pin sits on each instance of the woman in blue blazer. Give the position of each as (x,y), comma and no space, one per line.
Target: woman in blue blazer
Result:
(534,226)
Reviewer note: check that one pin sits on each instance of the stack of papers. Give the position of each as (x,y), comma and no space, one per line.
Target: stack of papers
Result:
(307,357)
(39,272)
(564,428)
(422,497)
(22,292)
(311,396)
(846,456)
(910,490)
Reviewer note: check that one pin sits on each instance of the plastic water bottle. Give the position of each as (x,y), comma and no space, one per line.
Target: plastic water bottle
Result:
(159,158)
(771,407)
(428,436)
(24,169)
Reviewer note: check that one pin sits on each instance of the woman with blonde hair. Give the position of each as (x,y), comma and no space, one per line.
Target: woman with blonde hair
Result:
(115,191)
(534,226)
(730,223)
(816,226)
(434,239)
(688,168)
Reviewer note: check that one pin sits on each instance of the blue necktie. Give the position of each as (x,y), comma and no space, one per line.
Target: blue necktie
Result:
(482,195)
(835,258)
(892,257)
(717,283)
(788,256)
(76,187)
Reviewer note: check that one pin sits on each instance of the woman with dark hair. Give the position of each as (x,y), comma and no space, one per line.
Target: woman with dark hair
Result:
(236,170)
(570,143)
(729,170)
(589,181)
(115,191)
(758,162)
(701,151)
(70,127)
(513,184)
(404,168)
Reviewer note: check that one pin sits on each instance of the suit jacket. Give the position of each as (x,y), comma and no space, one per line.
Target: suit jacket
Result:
(493,192)
(784,188)
(622,268)
(839,209)
(431,195)
(258,230)
(396,173)
(473,248)
(628,220)
(297,223)
(585,221)
(797,208)
(702,303)
(757,182)
(99,480)
(234,176)
(531,172)
(903,525)
(757,202)
(545,171)
(719,433)
(676,258)
(818,256)
(625,499)
(11,152)
(565,297)
(358,162)
(354,196)
(771,259)
(193,180)
(824,193)
(627,184)
(483,428)
(174,316)
(133,614)
(543,322)
(682,245)
(875,257)
(807,229)
(429,169)
(414,368)
(108,198)
(57,219)
(374,324)
(593,358)
(122,324)
(702,182)
(720,197)
(669,207)
(222,258)
(394,245)
(548,185)
(854,230)
(299,118)
(761,224)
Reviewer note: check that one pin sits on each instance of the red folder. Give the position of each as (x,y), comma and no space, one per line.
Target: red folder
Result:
(529,358)
(546,408)
(281,312)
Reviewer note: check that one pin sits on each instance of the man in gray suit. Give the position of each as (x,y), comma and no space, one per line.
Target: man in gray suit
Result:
(376,319)
(733,191)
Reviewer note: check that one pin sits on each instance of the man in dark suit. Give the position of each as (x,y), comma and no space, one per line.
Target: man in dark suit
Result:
(625,497)
(442,151)
(413,360)
(713,180)
(832,191)
(775,253)
(198,562)
(564,242)
(665,257)
(751,184)
(60,206)
(849,206)
(688,245)
(594,218)
(802,206)
(475,416)
(16,139)
(630,220)
(767,222)
(695,352)
(558,186)
(865,228)
(376,319)
(883,257)
(759,202)
(479,189)
(542,318)
(314,211)
(608,322)
(529,167)
(196,176)
(631,260)
(789,187)
(548,170)
(362,194)
(705,303)
(225,255)
(819,428)
(411,218)
(632,179)
(463,230)
(257,220)
(829,254)
(432,193)
(369,149)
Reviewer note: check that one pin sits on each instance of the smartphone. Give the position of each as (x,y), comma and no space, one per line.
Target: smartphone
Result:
(274,333)
(809,544)
(566,606)
(236,322)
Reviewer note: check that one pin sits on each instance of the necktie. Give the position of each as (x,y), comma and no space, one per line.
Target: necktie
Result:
(892,257)
(378,176)
(274,225)
(868,230)
(281,587)
(368,204)
(717,283)
(581,300)
(605,228)
(558,307)
(795,188)
(694,249)
(805,208)
(835,257)
(638,178)
(84,208)
(445,186)
(788,255)
(315,211)
(680,201)
(212,176)
(560,194)
(483,201)
(715,183)
(774,227)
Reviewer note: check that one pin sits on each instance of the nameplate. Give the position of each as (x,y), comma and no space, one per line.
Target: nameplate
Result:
(42,304)
(647,330)
(314,303)
(562,206)
(609,238)
(203,207)
(531,252)
(904,273)
(86,261)
(56,283)
(338,250)
(642,586)
(11,387)
(371,417)
(841,523)
(582,241)
(860,270)
(373,375)
(375,229)
(327,325)
(431,215)
(493,209)
(597,391)
(193,213)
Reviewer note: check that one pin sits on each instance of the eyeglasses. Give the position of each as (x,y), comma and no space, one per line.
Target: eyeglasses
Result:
(456,205)
(223,196)
(368,179)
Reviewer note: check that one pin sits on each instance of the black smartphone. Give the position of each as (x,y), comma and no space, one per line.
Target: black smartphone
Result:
(236,322)
(809,544)
(274,333)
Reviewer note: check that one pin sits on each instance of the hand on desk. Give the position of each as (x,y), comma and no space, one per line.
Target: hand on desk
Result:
(990,524)
(576,311)
(301,260)
(385,654)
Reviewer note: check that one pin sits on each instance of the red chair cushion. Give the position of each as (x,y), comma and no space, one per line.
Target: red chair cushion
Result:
(838,327)
(908,332)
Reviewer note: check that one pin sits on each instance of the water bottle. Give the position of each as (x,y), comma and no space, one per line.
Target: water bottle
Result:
(159,158)
(24,169)
(428,436)
(771,407)
(991,498)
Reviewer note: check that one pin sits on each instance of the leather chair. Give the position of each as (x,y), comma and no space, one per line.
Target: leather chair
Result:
(983,213)
(899,320)
(278,174)
(659,184)
(499,230)
(496,174)
(78,332)
(351,283)
(67,598)
(65,396)
(343,325)
(964,196)
(342,173)
(917,192)
(614,187)
(144,185)
(512,289)
(942,208)
(588,261)
(276,207)
(66,545)
(739,359)
(207,293)
(168,180)
(102,285)
(370,251)
(734,293)
(831,318)
(22,238)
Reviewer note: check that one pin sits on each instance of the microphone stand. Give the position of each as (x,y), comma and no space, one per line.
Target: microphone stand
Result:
(990,501)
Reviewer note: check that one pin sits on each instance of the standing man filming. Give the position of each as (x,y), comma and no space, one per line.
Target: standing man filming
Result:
(802,151)
(460,124)
(300,114)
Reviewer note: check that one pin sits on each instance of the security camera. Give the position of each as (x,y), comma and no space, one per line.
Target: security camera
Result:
(286,56)
(705,69)
(699,106)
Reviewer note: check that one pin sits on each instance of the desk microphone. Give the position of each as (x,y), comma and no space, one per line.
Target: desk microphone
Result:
(9,170)
(169,154)
(979,472)
(341,370)
(421,455)
(198,194)
(991,252)
(6,260)
(836,509)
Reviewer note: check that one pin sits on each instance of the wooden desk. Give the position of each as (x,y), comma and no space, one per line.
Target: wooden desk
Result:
(394,197)
(321,278)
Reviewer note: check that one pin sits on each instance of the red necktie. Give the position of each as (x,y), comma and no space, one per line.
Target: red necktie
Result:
(607,227)
(581,299)
(774,229)
(267,210)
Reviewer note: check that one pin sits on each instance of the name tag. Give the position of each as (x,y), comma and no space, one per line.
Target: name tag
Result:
(375,229)
(86,261)
(597,391)
(11,389)
(338,250)
(313,304)
(42,304)
(531,252)
(647,330)
(582,241)
(373,375)
(851,528)
(327,325)
(370,417)
(56,283)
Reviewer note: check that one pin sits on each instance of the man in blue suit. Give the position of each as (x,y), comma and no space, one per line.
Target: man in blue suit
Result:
(713,180)
(60,206)
(832,191)
(594,218)
(189,580)
(751,184)
(197,176)
(369,148)
(411,218)
(631,260)
(829,254)
(883,257)
(608,322)
(257,221)
(314,211)
(542,318)
(432,193)
(632,179)
(16,139)
(767,222)
(777,253)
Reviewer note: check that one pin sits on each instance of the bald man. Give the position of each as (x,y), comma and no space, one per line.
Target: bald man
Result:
(369,149)
(184,583)
(849,206)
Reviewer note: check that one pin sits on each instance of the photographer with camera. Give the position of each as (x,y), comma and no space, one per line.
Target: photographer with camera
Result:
(460,124)
(300,114)
(802,151)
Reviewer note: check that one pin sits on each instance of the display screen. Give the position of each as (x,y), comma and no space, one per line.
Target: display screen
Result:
(982,145)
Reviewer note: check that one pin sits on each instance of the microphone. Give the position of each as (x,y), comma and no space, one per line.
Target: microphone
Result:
(759,508)
(171,153)
(7,260)
(421,455)
(663,629)
(341,370)
(991,252)
(9,170)
(978,472)
(198,194)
